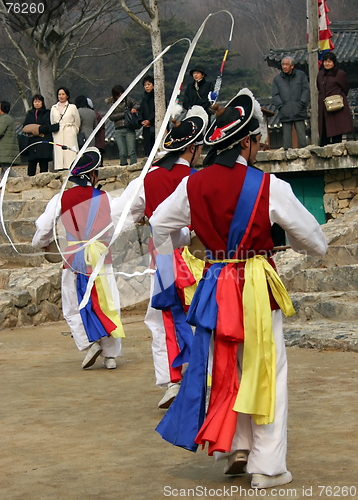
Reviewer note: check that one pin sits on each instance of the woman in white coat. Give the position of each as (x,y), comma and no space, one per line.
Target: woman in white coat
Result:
(68,118)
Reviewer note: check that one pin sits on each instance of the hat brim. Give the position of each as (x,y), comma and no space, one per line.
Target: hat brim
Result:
(200,71)
(177,146)
(246,101)
(94,163)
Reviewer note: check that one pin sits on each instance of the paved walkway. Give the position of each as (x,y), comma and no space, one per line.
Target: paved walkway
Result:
(73,434)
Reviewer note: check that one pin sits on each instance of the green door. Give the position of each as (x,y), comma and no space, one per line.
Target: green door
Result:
(310,191)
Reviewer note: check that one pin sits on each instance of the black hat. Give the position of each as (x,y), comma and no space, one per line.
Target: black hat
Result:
(90,160)
(198,68)
(240,117)
(188,131)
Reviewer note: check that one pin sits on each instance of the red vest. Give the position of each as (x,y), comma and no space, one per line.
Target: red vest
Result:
(75,204)
(213,195)
(161,183)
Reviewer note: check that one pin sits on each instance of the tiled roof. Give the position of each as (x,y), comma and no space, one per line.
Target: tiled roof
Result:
(345,39)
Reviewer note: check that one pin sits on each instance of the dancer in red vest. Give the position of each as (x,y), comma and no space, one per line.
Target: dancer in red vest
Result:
(232,206)
(183,144)
(85,211)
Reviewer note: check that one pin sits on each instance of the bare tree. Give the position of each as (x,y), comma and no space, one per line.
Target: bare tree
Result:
(41,52)
(152,26)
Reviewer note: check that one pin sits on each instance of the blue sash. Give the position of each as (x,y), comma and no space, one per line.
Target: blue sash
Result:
(186,414)
(165,296)
(92,325)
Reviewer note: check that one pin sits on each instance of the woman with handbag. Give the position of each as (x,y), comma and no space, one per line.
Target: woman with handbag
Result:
(38,127)
(67,117)
(334,114)
(124,125)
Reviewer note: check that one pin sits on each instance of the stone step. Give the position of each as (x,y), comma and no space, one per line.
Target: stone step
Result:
(332,279)
(10,259)
(332,306)
(23,209)
(337,255)
(20,231)
(289,262)
(341,335)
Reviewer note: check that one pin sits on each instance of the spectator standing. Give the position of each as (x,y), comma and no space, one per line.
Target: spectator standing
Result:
(40,154)
(332,80)
(291,94)
(100,137)
(88,121)
(68,118)
(9,147)
(125,137)
(197,91)
(147,114)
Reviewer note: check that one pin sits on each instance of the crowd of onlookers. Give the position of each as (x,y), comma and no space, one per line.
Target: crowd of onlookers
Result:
(71,124)
(291,96)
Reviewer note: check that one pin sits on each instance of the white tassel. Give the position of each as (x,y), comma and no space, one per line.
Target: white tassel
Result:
(176,111)
(257,107)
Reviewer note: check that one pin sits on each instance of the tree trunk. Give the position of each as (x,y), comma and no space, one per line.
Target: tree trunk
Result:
(159,87)
(46,80)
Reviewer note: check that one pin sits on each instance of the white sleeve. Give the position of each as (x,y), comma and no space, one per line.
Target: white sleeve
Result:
(44,224)
(171,219)
(137,208)
(303,231)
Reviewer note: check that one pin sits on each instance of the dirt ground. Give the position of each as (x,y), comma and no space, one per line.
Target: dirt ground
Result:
(73,434)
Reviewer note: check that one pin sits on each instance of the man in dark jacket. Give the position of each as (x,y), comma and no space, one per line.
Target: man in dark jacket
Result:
(9,147)
(291,94)
(197,92)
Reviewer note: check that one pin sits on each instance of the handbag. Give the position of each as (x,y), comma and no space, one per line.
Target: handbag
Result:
(81,139)
(55,127)
(32,129)
(334,103)
(131,120)
(24,141)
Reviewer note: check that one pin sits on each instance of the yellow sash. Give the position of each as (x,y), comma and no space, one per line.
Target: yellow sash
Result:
(92,254)
(257,392)
(196,267)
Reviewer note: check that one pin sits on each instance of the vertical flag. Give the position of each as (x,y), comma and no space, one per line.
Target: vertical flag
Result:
(324,33)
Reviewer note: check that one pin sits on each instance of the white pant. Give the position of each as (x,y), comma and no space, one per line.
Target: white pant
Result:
(111,346)
(154,321)
(267,444)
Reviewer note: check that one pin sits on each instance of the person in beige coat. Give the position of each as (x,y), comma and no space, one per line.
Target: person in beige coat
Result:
(68,118)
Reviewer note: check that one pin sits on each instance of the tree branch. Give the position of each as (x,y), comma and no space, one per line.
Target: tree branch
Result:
(135,18)
(12,40)
(89,18)
(148,9)
(18,83)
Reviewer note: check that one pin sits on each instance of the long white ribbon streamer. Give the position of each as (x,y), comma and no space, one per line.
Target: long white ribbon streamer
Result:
(149,161)
(146,167)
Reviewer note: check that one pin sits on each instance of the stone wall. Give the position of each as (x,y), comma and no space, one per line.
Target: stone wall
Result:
(32,295)
(337,162)
(45,186)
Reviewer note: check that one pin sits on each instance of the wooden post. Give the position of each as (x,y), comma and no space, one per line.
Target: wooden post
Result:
(312,15)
